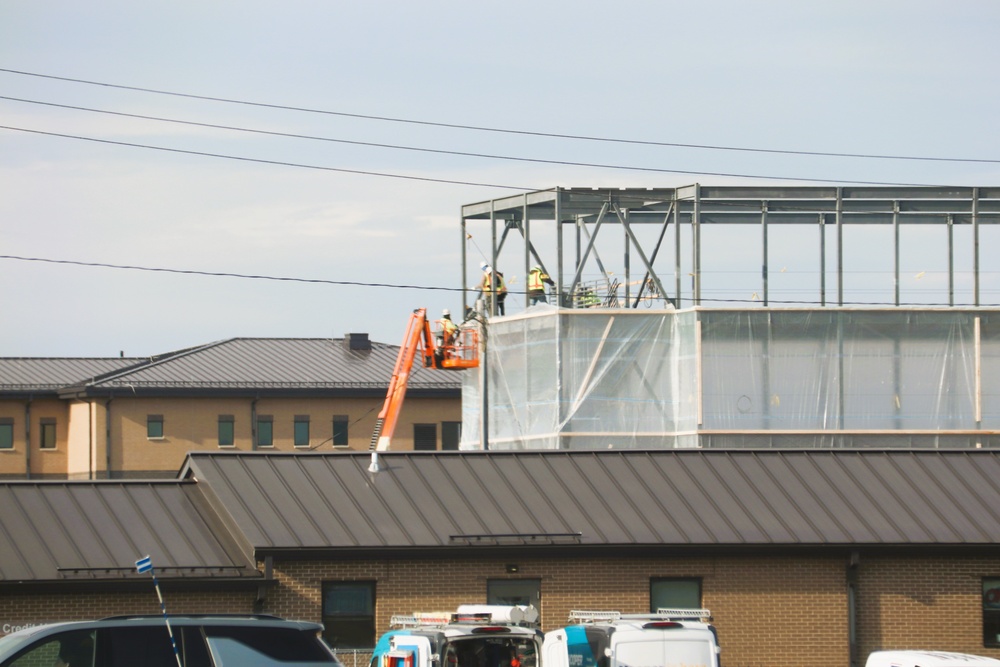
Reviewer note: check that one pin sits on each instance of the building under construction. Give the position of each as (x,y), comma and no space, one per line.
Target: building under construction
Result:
(676,322)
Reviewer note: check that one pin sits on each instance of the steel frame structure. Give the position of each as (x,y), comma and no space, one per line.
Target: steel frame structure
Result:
(590,211)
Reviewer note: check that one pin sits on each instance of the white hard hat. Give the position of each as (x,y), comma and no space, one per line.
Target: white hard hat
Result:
(446,313)
(483,266)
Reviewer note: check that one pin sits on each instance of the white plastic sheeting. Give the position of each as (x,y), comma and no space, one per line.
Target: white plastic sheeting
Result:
(601,378)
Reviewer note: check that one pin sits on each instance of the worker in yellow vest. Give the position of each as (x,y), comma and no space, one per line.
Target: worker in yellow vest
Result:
(537,280)
(493,287)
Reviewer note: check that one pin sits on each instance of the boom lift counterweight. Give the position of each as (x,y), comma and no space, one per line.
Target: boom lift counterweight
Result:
(442,349)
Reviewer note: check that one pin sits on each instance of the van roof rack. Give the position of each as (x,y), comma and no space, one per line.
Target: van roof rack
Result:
(580,616)
(680,614)
(419,619)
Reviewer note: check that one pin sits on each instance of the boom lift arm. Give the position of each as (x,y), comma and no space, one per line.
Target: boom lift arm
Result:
(443,349)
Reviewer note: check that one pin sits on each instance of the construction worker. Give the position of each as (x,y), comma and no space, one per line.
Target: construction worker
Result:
(537,280)
(493,287)
(448,332)
(448,328)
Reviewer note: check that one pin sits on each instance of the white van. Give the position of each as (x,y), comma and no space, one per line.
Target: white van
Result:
(928,659)
(669,638)
(474,636)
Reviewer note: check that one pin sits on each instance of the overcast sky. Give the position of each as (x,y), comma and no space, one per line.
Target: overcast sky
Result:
(913,78)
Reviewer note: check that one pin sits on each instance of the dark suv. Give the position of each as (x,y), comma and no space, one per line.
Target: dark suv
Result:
(143,641)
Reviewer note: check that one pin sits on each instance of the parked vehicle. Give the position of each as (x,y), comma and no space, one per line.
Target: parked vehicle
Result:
(201,641)
(669,638)
(928,659)
(473,636)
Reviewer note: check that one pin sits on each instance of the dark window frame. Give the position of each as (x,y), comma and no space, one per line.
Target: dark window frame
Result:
(297,423)
(227,431)
(421,440)
(154,427)
(451,436)
(358,625)
(653,606)
(991,611)
(6,433)
(269,441)
(340,436)
(47,434)
(493,595)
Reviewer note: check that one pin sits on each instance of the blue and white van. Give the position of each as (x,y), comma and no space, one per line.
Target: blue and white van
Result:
(473,636)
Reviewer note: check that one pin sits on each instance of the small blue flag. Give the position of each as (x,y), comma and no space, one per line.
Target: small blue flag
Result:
(144,564)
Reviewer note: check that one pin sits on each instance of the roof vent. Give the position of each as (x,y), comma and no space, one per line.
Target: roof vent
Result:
(357,341)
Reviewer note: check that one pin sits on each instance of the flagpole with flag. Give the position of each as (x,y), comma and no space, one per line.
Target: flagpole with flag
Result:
(146,565)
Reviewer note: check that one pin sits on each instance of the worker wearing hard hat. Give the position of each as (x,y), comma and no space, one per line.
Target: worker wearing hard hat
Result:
(492,286)
(537,280)
(448,328)
(444,338)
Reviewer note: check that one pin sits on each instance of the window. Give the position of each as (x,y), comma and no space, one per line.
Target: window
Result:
(301,430)
(514,591)
(451,435)
(349,614)
(340,431)
(226,430)
(265,431)
(71,648)
(674,594)
(425,437)
(991,613)
(47,433)
(154,426)
(6,433)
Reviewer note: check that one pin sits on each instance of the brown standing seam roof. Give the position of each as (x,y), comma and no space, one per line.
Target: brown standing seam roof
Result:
(614,498)
(97,530)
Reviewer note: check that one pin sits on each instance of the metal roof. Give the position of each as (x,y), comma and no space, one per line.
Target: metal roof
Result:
(276,363)
(619,498)
(97,530)
(26,374)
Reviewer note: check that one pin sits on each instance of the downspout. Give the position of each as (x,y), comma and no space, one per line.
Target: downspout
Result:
(107,437)
(90,440)
(27,438)
(258,604)
(253,426)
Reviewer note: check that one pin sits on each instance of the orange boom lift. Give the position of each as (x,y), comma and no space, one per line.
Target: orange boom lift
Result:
(439,350)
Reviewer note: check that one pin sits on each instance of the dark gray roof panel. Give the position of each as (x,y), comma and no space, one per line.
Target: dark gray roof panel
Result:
(21,374)
(71,530)
(285,363)
(613,498)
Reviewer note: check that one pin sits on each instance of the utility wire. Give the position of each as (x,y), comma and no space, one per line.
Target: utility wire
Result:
(478,128)
(352,142)
(263,161)
(444,180)
(219,274)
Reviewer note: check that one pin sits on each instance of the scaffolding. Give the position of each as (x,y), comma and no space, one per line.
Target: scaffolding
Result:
(618,360)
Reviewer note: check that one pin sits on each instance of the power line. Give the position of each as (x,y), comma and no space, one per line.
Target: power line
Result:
(352,142)
(478,128)
(351,283)
(221,274)
(263,161)
(442,180)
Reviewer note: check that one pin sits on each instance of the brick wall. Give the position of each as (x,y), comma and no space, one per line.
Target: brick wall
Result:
(933,603)
(18,610)
(774,612)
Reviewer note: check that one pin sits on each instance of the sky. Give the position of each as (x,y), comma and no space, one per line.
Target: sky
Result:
(345,226)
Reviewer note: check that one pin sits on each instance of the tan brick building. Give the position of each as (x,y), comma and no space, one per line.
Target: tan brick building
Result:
(127,417)
(805,558)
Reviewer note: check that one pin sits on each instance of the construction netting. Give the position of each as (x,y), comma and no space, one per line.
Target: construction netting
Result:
(609,378)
